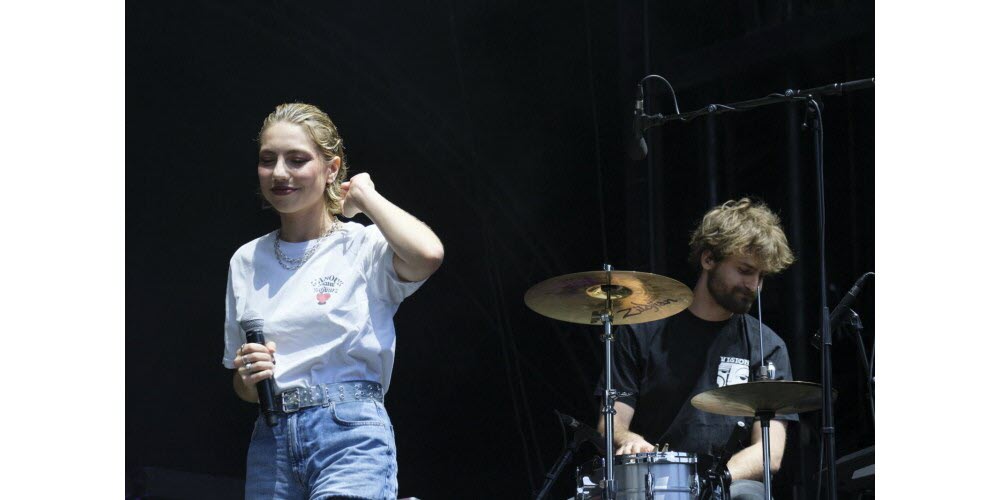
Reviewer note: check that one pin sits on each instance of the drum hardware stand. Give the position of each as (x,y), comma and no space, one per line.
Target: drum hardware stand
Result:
(610,395)
(765,429)
(764,372)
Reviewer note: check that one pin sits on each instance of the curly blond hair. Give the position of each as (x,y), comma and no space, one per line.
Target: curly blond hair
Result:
(324,134)
(742,226)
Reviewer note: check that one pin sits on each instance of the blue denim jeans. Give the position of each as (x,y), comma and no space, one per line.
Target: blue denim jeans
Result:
(745,489)
(346,449)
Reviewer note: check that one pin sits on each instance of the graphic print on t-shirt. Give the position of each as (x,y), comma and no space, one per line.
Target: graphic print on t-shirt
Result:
(325,287)
(732,371)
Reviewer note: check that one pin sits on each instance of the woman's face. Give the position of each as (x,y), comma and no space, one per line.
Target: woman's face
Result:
(293,174)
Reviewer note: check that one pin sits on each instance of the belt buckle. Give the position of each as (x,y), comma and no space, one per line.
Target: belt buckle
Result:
(290,401)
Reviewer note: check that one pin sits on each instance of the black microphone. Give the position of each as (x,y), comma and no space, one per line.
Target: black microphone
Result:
(637,144)
(841,311)
(584,429)
(254,328)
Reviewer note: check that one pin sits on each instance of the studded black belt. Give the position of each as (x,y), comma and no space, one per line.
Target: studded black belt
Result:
(298,398)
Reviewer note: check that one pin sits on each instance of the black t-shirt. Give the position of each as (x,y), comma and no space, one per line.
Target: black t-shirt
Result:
(659,366)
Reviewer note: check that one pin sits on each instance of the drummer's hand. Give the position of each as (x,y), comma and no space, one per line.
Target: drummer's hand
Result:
(632,444)
(254,363)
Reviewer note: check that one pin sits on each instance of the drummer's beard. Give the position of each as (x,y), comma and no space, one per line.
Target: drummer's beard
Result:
(735,299)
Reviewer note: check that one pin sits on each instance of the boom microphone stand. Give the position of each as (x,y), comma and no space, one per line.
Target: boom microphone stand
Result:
(581,434)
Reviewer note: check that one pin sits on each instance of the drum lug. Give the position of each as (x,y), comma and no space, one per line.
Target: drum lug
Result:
(649,485)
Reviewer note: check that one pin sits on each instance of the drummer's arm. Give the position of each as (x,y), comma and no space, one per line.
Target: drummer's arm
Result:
(626,441)
(748,463)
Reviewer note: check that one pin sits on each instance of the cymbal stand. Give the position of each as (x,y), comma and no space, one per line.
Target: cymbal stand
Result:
(765,430)
(764,372)
(609,394)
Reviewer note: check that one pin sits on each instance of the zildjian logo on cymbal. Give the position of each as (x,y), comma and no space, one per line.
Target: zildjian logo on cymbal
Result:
(638,308)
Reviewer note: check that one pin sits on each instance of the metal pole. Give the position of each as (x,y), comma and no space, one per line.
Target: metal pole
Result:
(765,428)
(827,432)
(609,396)
(787,95)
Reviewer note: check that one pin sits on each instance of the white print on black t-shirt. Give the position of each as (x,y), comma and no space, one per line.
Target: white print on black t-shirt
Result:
(732,371)
(325,286)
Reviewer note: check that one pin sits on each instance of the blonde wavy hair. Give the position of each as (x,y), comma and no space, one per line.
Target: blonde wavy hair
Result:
(742,226)
(324,135)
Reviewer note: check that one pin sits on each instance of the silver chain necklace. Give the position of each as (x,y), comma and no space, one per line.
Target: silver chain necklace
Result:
(293,264)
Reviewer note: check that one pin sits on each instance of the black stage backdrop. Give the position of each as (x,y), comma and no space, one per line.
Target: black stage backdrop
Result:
(503,125)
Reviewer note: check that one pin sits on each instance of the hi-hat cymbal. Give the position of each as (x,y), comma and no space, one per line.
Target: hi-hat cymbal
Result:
(582,297)
(780,397)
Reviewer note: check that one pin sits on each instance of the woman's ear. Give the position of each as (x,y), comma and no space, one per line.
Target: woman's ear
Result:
(334,168)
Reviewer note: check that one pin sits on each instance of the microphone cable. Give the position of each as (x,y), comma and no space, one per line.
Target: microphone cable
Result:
(673,94)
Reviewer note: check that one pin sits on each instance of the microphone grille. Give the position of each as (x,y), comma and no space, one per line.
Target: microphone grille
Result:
(251,321)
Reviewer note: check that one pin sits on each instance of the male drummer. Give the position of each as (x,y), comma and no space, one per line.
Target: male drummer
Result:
(659,366)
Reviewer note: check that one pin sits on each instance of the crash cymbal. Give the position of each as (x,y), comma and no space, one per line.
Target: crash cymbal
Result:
(582,297)
(780,397)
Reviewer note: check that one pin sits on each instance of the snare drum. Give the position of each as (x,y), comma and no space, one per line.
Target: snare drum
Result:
(665,475)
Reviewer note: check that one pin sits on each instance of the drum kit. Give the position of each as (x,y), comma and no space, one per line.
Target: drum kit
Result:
(610,297)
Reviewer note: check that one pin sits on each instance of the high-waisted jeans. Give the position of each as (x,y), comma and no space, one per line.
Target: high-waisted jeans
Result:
(345,449)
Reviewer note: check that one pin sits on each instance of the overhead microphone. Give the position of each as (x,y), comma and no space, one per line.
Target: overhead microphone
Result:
(637,144)
(840,313)
(253,326)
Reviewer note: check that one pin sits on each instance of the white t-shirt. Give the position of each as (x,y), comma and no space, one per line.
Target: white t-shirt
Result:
(331,319)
